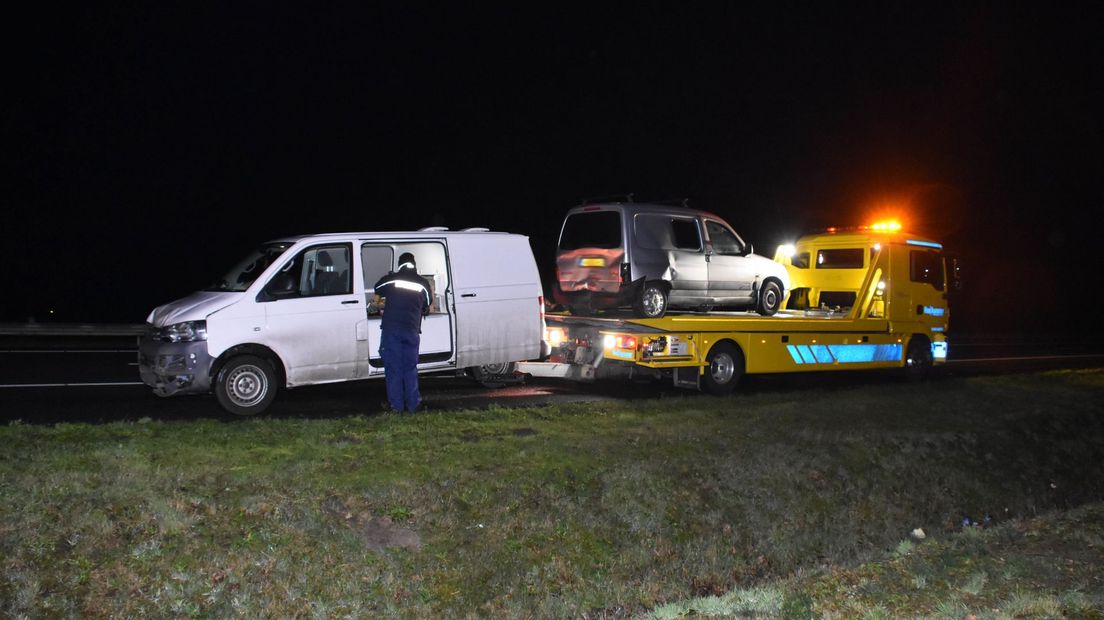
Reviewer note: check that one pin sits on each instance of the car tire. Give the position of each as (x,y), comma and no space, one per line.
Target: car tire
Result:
(246,385)
(769,298)
(652,301)
(918,359)
(726,366)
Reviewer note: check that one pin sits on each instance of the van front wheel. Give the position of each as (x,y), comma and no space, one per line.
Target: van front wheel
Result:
(770,298)
(246,385)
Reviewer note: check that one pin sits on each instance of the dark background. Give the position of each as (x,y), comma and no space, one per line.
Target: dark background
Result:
(147,147)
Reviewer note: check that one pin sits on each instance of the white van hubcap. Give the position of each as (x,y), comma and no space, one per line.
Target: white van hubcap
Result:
(246,385)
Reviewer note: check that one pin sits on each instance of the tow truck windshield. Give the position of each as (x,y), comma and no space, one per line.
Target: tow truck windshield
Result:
(250,268)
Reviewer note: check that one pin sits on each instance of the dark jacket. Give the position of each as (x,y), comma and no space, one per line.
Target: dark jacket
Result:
(407,295)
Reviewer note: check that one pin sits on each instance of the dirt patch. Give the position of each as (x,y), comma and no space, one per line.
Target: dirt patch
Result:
(469,438)
(377,532)
(523,432)
(345,439)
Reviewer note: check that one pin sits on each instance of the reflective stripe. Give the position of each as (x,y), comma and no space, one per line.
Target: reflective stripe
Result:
(407,285)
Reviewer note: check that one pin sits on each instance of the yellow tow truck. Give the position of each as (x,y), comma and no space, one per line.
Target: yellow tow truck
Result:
(864,297)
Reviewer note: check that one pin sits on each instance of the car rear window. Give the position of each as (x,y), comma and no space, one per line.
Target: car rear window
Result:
(594,229)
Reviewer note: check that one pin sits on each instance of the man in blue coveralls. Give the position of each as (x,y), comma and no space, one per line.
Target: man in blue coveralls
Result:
(407,302)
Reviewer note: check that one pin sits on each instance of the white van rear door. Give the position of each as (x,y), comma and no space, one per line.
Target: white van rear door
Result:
(498,299)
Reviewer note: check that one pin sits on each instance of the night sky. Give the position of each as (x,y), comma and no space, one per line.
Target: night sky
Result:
(148,147)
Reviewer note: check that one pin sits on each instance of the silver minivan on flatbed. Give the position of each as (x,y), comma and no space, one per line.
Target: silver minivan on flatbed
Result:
(654,257)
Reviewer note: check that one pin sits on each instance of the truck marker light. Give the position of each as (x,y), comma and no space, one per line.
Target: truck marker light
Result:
(592,262)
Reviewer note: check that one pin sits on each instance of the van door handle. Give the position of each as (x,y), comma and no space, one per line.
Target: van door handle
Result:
(353,301)
(467,294)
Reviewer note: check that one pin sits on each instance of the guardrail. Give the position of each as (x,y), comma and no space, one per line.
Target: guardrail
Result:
(71,329)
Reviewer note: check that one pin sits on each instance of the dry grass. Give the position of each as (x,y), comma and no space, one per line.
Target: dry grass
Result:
(583,510)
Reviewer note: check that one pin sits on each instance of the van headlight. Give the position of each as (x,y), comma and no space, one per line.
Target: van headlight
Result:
(188,331)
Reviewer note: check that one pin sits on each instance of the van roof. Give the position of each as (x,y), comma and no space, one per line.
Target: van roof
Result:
(633,208)
(400,234)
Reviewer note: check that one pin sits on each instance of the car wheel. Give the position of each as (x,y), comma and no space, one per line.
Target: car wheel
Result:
(770,298)
(918,359)
(652,302)
(246,385)
(726,366)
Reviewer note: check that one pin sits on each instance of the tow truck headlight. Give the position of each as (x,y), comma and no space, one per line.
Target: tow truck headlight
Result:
(554,336)
(188,331)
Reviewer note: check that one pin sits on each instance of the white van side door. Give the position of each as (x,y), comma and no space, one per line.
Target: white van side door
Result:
(498,299)
(311,314)
(437,348)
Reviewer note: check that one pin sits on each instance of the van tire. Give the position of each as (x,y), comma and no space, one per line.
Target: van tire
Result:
(769,299)
(651,303)
(726,366)
(496,375)
(918,359)
(246,385)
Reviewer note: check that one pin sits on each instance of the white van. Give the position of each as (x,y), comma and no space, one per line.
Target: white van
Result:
(300,311)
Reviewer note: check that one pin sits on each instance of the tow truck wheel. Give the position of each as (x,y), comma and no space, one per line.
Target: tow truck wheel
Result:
(652,302)
(246,385)
(770,298)
(918,358)
(726,366)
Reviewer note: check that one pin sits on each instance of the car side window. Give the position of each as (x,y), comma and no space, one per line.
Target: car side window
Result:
(724,240)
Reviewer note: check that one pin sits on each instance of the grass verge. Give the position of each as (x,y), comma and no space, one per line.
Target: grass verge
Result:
(590,510)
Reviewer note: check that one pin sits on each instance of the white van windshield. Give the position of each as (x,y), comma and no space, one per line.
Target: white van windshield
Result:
(249,269)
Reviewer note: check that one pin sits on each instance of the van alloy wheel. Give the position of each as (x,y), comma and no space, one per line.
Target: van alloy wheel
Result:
(652,303)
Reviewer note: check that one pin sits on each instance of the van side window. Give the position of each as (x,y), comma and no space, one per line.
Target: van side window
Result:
(316,271)
(724,240)
(685,234)
(926,267)
(656,231)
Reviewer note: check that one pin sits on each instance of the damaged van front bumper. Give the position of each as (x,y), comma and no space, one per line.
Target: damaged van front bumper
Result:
(172,368)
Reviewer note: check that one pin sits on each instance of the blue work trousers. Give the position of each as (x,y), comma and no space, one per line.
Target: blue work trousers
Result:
(399,350)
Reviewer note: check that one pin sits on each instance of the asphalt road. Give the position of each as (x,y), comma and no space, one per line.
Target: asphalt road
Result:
(98,381)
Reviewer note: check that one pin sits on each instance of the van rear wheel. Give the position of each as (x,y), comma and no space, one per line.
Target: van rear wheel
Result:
(496,375)
(726,366)
(246,385)
(652,301)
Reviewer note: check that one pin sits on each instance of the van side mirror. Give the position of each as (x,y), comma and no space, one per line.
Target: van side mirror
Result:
(748,250)
(280,287)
